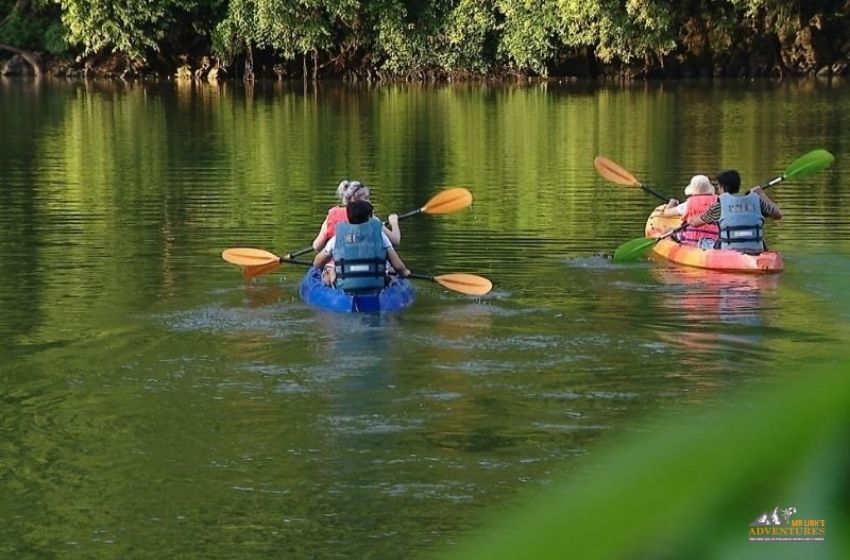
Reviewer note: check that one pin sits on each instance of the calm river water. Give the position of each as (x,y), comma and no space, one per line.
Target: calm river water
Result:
(155,406)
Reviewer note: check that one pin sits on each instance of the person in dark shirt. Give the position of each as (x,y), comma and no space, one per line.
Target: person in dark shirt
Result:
(740,217)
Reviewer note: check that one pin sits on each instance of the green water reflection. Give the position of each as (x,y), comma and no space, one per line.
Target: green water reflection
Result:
(156,407)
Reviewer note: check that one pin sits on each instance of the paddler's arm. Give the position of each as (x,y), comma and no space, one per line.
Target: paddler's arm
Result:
(321,259)
(397,263)
(768,207)
(392,232)
(671,210)
(325,255)
(322,238)
(710,216)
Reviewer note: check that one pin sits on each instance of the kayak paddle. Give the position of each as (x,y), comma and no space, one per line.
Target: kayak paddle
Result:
(253,262)
(445,202)
(468,284)
(806,164)
(258,259)
(634,249)
(244,256)
(616,174)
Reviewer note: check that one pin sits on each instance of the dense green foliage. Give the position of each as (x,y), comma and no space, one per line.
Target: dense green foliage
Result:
(32,26)
(134,27)
(421,38)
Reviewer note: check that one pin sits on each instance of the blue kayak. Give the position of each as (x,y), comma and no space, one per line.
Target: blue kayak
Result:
(395,297)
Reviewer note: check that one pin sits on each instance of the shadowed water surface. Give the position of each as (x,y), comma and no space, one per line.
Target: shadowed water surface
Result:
(154,406)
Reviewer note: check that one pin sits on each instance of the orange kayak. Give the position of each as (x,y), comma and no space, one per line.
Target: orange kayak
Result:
(713,259)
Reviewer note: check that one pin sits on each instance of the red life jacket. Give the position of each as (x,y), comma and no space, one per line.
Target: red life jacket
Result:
(336,215)
(697,205)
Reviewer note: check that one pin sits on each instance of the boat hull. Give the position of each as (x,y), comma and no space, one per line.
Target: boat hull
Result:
(396,296)
(726,260)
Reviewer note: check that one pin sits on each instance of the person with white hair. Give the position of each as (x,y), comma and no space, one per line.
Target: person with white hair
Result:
(360,251)
(701,196)
(739,217)
(351,191)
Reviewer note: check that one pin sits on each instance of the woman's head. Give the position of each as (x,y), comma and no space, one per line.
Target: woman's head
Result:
(351,191)
(700,184)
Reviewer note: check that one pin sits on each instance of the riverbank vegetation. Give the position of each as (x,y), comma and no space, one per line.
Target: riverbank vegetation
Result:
(376,40)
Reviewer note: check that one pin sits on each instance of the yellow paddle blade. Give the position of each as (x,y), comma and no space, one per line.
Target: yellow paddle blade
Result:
(244,256)
(468,284)
(614,173)
(448,201)
(251,272)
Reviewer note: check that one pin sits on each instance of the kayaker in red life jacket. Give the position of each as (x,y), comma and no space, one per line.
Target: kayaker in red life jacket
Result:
(351,191)
(740,217)
(701,196)
(360,251)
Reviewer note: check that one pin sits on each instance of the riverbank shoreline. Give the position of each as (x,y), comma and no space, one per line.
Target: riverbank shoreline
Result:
(212,73)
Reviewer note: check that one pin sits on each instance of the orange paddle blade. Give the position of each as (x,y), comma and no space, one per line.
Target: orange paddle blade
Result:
(614,173)
(448,201)
(468,284)
(244,256)
(251,272)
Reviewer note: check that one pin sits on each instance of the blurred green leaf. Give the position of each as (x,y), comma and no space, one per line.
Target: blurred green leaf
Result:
(691,490)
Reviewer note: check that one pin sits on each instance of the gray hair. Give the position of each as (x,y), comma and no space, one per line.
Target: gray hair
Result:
(350,191)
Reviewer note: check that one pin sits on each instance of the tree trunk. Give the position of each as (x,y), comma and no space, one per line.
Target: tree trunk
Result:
(248,74)
(31,57)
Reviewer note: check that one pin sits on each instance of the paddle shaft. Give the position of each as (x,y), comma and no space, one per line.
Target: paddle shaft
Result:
(306,263)
(393,273)
(803,165)
(672,232)
(767,185)
(422,277)
(652,192)
(774,181)
(408,214)
(295,261)
(468,284)
(299,253)
(401,217)
(412,275)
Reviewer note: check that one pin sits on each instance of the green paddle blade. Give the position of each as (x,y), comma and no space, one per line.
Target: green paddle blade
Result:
(809,163)
(633,249)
